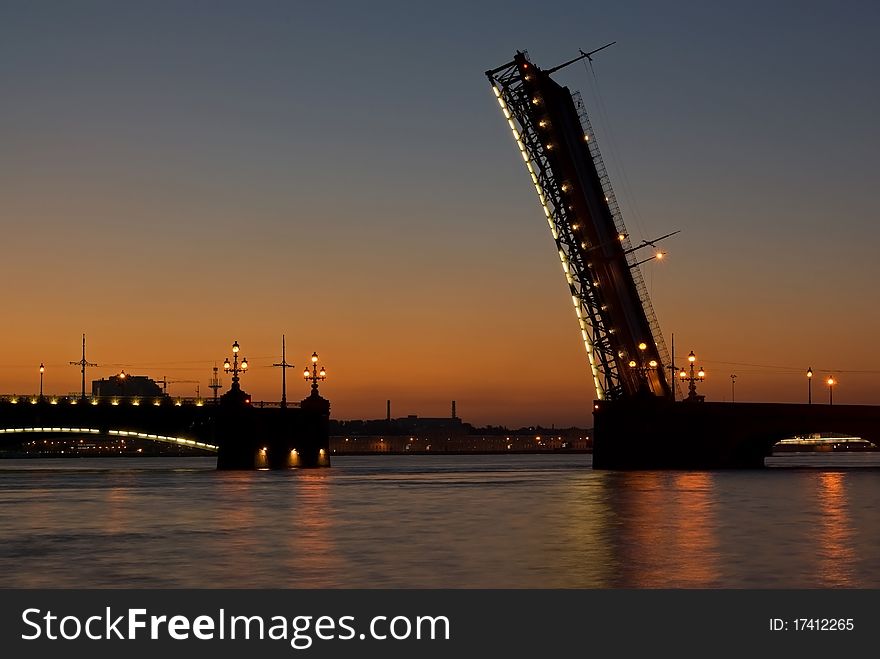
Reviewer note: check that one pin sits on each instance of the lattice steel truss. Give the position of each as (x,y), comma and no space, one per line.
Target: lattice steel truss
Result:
(558,147)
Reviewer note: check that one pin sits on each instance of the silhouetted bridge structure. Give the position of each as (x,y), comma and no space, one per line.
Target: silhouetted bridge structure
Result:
(637,421)
(243,435)
(649,433)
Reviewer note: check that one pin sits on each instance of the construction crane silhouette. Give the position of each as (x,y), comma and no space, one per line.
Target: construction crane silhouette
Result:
(165,382)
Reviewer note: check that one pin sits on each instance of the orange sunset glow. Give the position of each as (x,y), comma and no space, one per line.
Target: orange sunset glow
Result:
(166,199)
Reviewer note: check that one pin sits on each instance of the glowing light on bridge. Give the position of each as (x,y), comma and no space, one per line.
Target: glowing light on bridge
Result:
(582,321)
(179,441)
(79,431)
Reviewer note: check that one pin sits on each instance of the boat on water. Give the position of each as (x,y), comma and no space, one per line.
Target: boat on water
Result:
(817,444)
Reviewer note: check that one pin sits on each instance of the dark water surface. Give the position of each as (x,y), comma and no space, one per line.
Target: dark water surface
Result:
(435,521)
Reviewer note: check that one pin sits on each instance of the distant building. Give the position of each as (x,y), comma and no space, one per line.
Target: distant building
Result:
(414,423)
(124,385)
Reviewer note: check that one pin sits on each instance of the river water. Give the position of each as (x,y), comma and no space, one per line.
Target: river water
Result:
(439,521)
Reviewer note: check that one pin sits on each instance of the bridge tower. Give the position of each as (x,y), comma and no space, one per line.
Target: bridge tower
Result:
(624,345)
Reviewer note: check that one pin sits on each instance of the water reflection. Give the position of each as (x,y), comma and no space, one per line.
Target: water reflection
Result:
(696,542)
(434,521)
(589,560)
(312,559)
(640,514)
(664,532)
(115,514)
(836,554)
(234,504)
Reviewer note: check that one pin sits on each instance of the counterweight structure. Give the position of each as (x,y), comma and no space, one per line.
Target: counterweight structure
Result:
(625,348)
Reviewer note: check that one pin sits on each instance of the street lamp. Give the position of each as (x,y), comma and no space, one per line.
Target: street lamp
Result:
(236,367)
(809,385)
(732,387)
(42,370)
(831,382)
(643,367)
(692,378)
(317,373)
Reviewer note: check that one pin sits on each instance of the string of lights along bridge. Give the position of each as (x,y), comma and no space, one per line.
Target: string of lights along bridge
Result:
(625,348)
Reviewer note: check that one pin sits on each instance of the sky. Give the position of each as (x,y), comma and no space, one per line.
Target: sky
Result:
(178,175)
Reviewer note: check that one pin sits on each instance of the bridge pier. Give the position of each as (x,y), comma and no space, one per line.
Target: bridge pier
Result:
(653,433)
(277,438)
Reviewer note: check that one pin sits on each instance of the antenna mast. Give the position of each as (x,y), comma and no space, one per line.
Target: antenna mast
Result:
(82,363)
(582,55)
(284,366)
(215,382)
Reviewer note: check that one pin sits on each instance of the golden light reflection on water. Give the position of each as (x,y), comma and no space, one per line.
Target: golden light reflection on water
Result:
(664,531)
(460,522)
(695,541)
(116,515)
(641,540)
(836,555)
(236,508)
(311,555)
(586,529)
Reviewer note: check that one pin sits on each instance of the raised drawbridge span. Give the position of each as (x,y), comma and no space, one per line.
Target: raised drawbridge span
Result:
(637,423)
(625,348)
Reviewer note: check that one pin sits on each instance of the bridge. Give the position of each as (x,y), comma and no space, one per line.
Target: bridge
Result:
(658,434)
(638,423)
(243,435)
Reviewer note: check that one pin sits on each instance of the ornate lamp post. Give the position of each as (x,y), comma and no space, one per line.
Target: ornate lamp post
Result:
(316,374)
(235,367)
(831,382)
(809,385)
(42,370)
(642,366)
(692,378)
(733,387)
